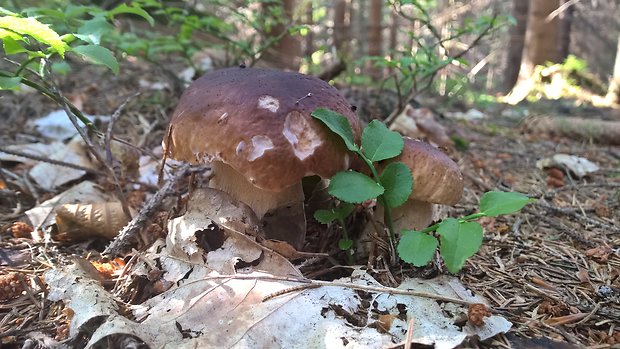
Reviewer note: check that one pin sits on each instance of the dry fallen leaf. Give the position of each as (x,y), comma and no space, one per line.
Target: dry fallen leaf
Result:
(85,221)
(476,314)
(21,230)
(599,254)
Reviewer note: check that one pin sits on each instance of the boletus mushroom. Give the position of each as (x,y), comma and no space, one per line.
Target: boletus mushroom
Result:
(436,180)
(255,128)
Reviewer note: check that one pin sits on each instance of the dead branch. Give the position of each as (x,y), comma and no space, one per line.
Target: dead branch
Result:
(124,238)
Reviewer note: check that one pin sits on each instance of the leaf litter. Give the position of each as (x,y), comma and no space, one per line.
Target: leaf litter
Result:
(255,298)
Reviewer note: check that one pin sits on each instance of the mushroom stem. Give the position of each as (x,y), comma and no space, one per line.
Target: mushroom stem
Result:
(412,215)
(227,179)
(281,212)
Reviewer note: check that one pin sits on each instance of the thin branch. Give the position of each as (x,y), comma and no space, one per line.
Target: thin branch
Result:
(122,241)
(431,75)
(560,9)
(50,161)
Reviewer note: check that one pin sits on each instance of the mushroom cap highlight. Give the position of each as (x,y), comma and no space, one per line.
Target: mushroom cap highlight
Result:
(258,122)
(436,178)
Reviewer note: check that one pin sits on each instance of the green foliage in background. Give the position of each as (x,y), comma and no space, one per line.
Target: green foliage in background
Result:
(414,64)
(37,37)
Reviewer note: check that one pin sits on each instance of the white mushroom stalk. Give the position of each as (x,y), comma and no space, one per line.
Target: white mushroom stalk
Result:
(227,179)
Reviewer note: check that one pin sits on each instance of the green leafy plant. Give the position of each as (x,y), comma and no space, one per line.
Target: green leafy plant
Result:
(38,36)
(38,40)
(458,239)
(339,214)
(414,64)
(392,187)
(237,31)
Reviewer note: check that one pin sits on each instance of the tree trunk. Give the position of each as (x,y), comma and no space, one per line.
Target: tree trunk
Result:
(613,93)
(566,22)
(286,52)
(540,46)
(342,24)
(309,39)
(515,43)
(375,34)
(394,26)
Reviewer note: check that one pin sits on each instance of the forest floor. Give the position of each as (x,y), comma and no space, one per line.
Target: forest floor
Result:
(553,269)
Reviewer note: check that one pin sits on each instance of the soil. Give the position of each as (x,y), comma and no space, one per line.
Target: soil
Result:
(553,269)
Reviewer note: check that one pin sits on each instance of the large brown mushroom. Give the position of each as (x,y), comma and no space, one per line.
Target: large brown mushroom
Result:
(436,180)
(254,127)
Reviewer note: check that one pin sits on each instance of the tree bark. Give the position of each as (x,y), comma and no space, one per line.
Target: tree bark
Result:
(566,22)
(540,46)
(394,26)
(375,29)
(286,52)
(309,39)
(342,25)
(515,43)
(613,93)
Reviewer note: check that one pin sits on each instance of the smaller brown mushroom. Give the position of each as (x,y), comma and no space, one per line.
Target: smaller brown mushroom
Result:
(436,180)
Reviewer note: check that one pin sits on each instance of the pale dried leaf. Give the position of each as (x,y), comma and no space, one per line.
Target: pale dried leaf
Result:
(84,221)
(43,215)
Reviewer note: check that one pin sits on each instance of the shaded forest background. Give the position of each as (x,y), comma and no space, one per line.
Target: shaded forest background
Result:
(326,34)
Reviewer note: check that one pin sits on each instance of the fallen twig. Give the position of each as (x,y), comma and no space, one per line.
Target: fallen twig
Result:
(317,283)
(50,161)
(131,229)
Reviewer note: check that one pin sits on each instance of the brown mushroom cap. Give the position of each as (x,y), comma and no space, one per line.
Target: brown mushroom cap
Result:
(258,122)
(436,177)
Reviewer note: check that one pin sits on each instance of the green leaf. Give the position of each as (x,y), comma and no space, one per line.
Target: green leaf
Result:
(379,143)
(340,212)
(338,124)
(37,30)
(61,68)
(325,216)
(397,180)
(343,210)
(345,244)
(459,241)
(134,9)
(4,11)
(9,83)
(416,247)
(10,45)
(98,55)
(495,203)
(92,30)
(354,187)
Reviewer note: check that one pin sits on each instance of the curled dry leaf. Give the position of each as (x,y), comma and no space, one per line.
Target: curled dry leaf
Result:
(10,287)
(21,230)
(555,177)
(384,322)
(108,269)
(599,254)
(84,221)
(602,210)
(224,210)
(553,308)
(476,314)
